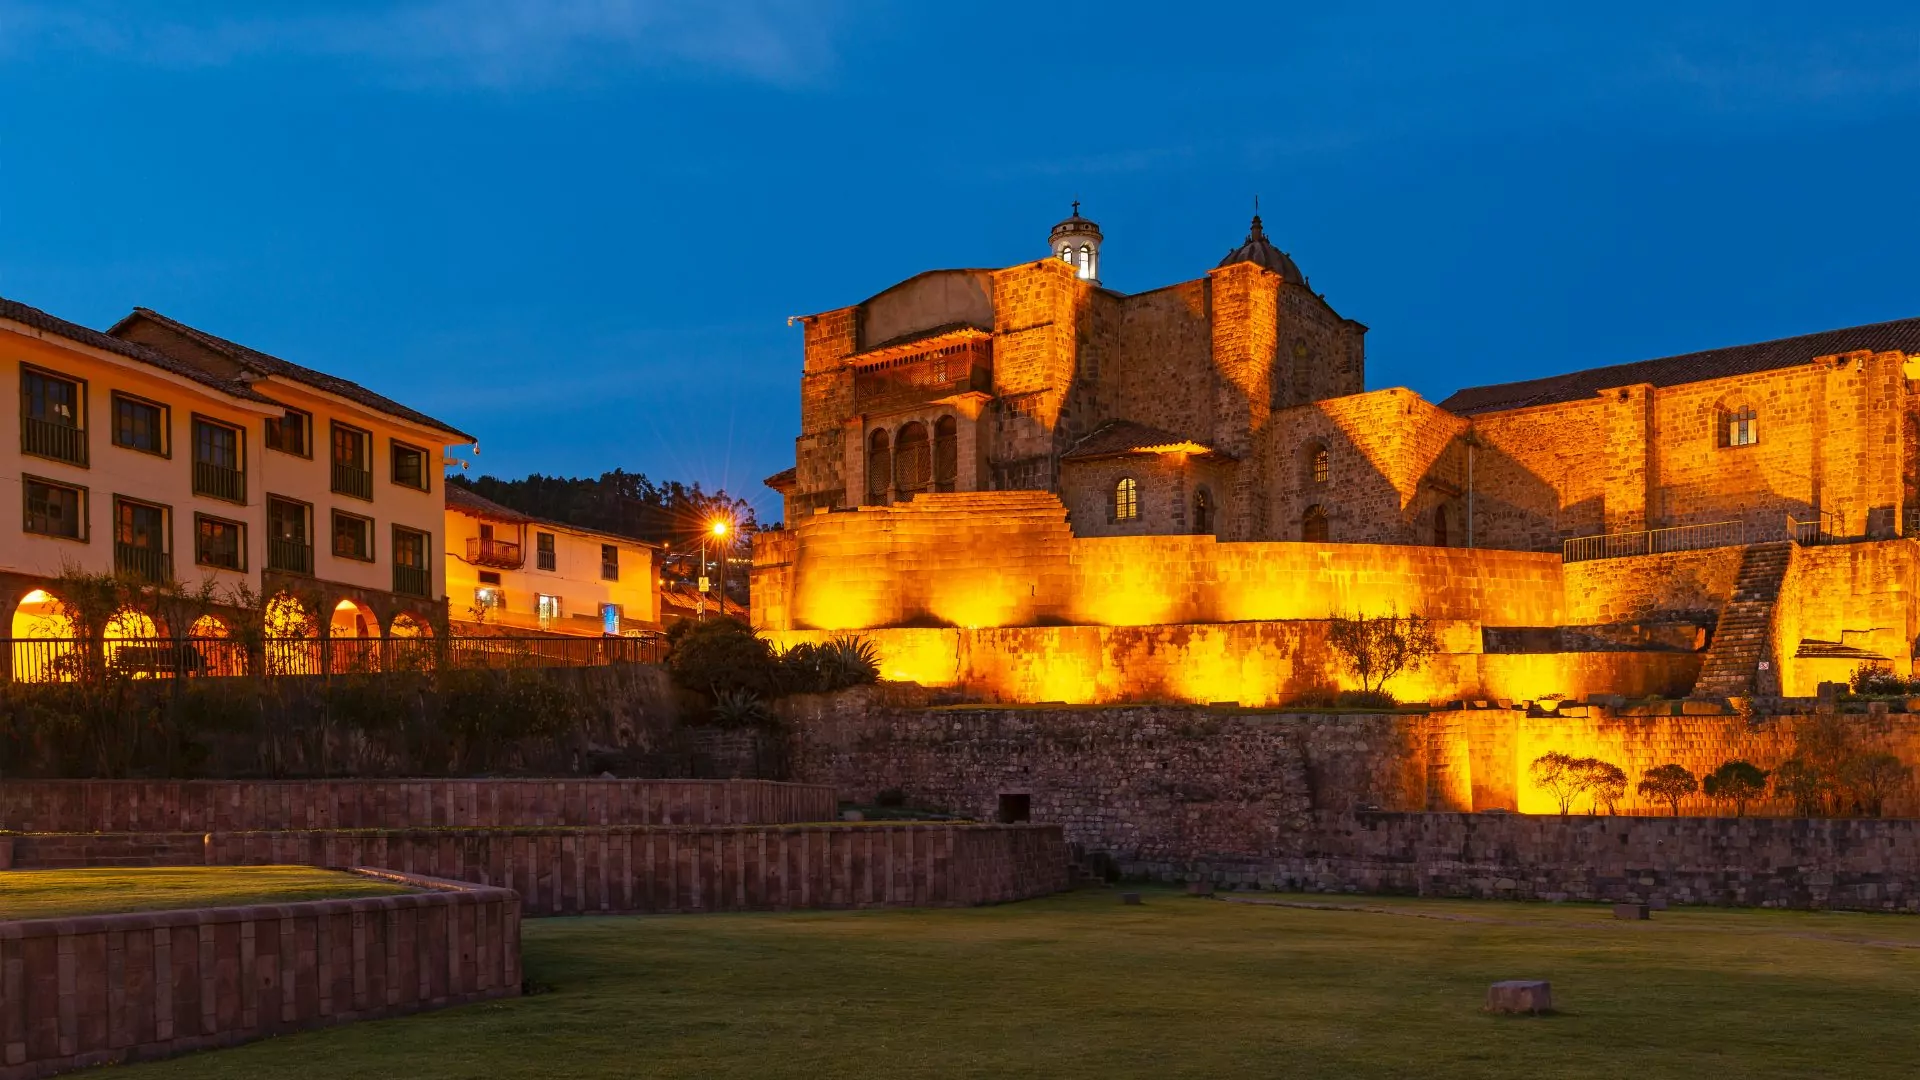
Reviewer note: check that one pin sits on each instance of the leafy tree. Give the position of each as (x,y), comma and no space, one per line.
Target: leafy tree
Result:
(1804,785)
(620,502)
(1669,783)
(1604,781)
(1558,775)
(1737,782)
(1378,647)
(1874,778)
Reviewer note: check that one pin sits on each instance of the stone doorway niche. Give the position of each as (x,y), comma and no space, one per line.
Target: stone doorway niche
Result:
(1014,807)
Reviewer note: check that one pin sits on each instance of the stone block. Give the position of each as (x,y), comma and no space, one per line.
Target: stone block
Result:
(1199,888)
(1632,911)
(1130,898)
(1531,996)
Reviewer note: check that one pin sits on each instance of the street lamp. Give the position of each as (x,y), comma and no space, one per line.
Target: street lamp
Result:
(718,530)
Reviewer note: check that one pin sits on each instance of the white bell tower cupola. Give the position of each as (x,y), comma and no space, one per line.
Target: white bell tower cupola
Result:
(1076,241)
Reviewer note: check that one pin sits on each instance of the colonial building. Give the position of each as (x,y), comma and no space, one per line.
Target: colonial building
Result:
(508,570)
(1022,449)
(163,452)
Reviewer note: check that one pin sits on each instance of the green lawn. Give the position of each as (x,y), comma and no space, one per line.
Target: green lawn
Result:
(1081,986)
(55,894)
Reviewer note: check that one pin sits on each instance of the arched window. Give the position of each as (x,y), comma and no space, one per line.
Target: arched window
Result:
(1202,512)
(1319,465)
(946,453)
(879,469)
(1740,427)
(1439,526)
(1313,525)
(1126,500)
(912,461)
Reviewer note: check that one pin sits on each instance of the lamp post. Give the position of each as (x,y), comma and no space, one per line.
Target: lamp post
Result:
(719,530)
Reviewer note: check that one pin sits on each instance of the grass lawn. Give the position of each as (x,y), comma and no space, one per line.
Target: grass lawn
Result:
(56,894)
(1082,986)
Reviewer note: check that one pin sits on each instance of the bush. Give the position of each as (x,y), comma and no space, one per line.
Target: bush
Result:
(1737,782)
(1873,679)
(1670,784)
(1365,699)
(739,709)
(720,655)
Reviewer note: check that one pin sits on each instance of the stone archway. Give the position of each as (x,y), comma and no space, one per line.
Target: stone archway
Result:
(42,650)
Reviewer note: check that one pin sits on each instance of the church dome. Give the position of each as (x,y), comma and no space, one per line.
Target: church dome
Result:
(1260,251)
(1076,242)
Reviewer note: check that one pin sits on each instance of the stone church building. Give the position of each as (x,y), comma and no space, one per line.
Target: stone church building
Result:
(1234,405)
(1043,489)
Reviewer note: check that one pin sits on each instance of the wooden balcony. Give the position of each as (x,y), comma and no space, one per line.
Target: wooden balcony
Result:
(502,554)
(412,581)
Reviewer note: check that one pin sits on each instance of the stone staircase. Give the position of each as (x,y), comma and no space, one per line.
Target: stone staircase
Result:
(1743,637)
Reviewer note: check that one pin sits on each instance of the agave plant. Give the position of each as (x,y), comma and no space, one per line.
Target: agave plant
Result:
(848,660)
(739,708)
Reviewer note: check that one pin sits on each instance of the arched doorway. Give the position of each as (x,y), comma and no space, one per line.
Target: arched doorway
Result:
(43,649)
(946,453)
(291,630)
(355,638)
(1440,526)
(409,643)
(1313,525)
(130,645)
(879,469)
(912,461)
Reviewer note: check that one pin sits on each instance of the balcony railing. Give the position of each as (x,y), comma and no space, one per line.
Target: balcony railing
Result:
(504,554)
(148,564)
(349,479)
(61,442)
(219,482)
(292,556)
(70,660)
(412,580)
(1654,541)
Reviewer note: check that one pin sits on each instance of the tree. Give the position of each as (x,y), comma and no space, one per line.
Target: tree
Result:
(1873,778)
(1556,773)
(1803,785)
(1378,647)
(1737,782)
(1669,783)
(1603,780)
(719,655)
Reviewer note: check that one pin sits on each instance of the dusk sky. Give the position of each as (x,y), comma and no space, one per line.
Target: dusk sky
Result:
(577,227)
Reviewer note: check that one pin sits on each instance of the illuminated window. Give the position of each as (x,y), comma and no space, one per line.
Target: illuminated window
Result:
(1742,427)
(1126,500)
(490,598)
(1313,526)
(548,608)
(1320,466)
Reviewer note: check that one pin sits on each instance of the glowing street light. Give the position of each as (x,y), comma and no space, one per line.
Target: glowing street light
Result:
(718,529)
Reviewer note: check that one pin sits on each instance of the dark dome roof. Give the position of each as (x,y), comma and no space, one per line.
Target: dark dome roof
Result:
(1259,250)
(1075,226)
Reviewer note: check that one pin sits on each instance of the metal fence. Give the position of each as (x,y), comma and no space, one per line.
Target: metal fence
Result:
(1654,541)
(69,659)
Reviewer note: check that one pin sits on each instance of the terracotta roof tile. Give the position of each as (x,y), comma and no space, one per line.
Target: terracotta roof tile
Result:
(1126,437)
(40,320)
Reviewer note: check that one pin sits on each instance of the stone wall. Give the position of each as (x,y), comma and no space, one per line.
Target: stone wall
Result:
(631,868)
(1837,864)
(109,988)
(1866,596)
(208,805)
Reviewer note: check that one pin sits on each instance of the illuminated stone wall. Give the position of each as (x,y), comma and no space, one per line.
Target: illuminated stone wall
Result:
(1862,595)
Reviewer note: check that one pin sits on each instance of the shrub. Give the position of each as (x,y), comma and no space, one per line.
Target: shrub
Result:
(1670,784)
(1873,678)
(723,654)
(1378,647)
(1873,778)
(1737,782)
(739,708)
(848,660)
(1365,699)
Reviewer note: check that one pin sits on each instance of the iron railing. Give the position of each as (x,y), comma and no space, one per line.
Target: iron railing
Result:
(145,563)
(412,580)
(293,556)
(1654,541)
(48,439)
(70,659)
(349,479)
(505,554)
(219,481)
(1823,528)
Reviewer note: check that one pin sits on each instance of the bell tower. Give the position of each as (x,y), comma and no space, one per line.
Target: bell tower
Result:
(1076,242)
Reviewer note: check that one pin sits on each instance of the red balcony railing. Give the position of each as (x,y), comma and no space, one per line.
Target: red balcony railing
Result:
(505,554)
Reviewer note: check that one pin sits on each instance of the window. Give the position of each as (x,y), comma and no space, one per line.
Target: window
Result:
(610,562)
(291,433)
(1202,512)
(139,424)
(1126,500)
(489,577)
(1313,526)
(53,413)
(946,453)
(543,551)
(217,542)
(490,598)
(610,619)
(1742,427)
(1319,466)
(140,547)
(879,469)
(412,576)
(409,466)
(548,608)
(218,466)
(352,537)
(289,538)
(55,509)
(352,462)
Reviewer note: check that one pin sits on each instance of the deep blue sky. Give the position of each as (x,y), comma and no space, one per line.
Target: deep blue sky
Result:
(576,227)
